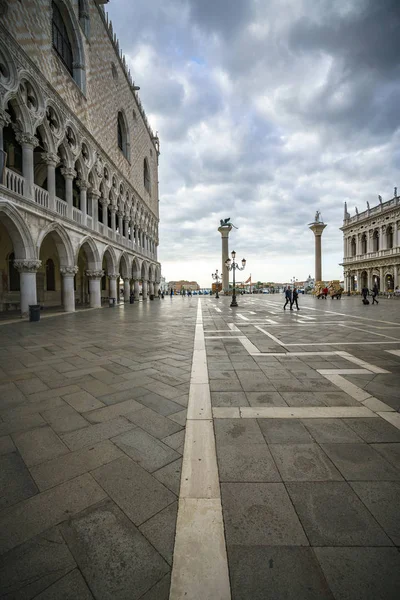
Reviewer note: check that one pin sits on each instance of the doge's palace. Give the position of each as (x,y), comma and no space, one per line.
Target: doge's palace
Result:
(79,210)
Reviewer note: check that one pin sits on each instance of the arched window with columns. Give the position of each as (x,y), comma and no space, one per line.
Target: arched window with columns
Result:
(389,237)
(375,241)
(364,243)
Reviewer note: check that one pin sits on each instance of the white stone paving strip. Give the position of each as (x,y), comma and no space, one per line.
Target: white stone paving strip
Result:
(273,338)
(363,363)
(290,412)
(233,327)
(200,565)
(391,417)
(395,352)
(242,317)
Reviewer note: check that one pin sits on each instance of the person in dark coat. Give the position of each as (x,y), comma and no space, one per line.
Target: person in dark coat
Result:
(295,297)
(375,293)
(364,292)
(288,296)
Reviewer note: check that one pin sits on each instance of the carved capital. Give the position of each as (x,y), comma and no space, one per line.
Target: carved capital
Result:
(95,194)
(5,118)
(113,209)
(50,158)
(68,172)
(26,139)
(113,275)
(26,265)
(69,271)
(82,184)
(92,274)
(104,201)
(127,219)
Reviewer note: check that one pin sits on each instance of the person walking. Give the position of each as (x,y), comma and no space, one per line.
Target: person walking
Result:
(375,293)
(364,293)
(295,297)
(288,296)
(171,292)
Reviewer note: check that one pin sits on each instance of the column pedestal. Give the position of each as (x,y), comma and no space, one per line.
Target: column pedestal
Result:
(27,279)
(225,231)
(68,274)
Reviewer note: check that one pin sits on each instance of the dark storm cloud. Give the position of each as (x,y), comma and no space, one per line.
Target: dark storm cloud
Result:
(267,111)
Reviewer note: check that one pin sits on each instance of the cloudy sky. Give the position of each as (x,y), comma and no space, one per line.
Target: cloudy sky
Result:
(267,110)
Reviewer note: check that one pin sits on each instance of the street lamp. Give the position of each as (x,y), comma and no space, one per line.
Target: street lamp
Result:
(231,265)
(216,278)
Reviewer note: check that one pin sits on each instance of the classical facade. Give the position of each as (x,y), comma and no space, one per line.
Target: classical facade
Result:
(372,247)
(78,161)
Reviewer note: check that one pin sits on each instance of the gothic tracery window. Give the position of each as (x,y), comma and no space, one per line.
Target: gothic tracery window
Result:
(61,42)
(146,176)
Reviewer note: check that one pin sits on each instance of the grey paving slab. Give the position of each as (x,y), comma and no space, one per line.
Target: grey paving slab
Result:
(284,431)
(179,417)
(149,452)
(237,432)
(21,423)
(302,399)
(6,445)
(96,433)
(391,452)
(260,514)
(64,419)
(30,386)
(69,587)
(261,572)
(332,515)
(360,462)
(38,445)
(16,483)
(382,498)
(170,476)
(374,430)
(336,399)
(175,440)
(10,395)
(246,462)
(361,573)
(225,385)
(303,462)
(229,399)
(30,517)
(96,388)
(113,411)
(264,399)
(160,531)
(115,558)
(333,431)
(253,381)
(83,401)
(160,591)
(159,404)
(34,566)
(61,469)
(137,492)
(155,424)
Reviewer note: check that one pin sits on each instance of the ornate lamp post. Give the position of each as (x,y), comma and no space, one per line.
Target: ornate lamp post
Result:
(231,265)
(216,278)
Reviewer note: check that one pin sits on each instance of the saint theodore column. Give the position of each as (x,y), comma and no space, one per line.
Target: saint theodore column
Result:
(317,227)
(224,229)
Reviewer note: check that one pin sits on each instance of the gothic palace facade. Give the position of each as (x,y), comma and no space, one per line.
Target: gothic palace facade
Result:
(371,247)
(79,210)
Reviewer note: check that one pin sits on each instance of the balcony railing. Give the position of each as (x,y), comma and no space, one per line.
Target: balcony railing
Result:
(41,196)
(371,255)
(61,207)
(77,215)
(14,182)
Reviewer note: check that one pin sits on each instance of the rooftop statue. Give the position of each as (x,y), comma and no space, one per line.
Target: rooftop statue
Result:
(225,222)
(317,216)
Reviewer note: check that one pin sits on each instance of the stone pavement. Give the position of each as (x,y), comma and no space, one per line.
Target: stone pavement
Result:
(291,469)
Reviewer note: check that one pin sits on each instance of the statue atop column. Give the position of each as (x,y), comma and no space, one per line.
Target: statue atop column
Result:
(317,227)
(224,229)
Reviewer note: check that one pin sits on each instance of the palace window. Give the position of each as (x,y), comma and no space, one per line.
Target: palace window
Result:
(389,237)
(122,136)
(61,42)
(146,176)
(375,241)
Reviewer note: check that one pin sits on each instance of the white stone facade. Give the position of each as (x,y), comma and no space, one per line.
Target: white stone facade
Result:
(78,161)
(371,242)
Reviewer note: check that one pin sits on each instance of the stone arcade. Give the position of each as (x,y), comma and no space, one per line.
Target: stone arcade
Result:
(78,161)
(371,247)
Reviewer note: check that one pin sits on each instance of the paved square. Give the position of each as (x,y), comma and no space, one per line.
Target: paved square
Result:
(285,486)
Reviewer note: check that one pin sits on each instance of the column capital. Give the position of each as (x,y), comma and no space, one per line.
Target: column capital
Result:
(126,279)
(113,208)
(68,172)
(225,230)
(113,275)
(93,274)
(104,201)
(5,118)
(82,184)
(126,219)
(24,265)
(94,193)
(50,158)
(69,271)
(26,139)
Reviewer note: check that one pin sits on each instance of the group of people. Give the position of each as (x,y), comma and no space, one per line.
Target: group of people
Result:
(291,297)
(374,294)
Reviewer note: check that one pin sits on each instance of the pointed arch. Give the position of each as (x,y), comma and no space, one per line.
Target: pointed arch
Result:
(67,41)
(125,267)
(61,241)
(18,231)
(110,257)
(136,268)
(144,273)
(89,247)
(123,134)
(146,176)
